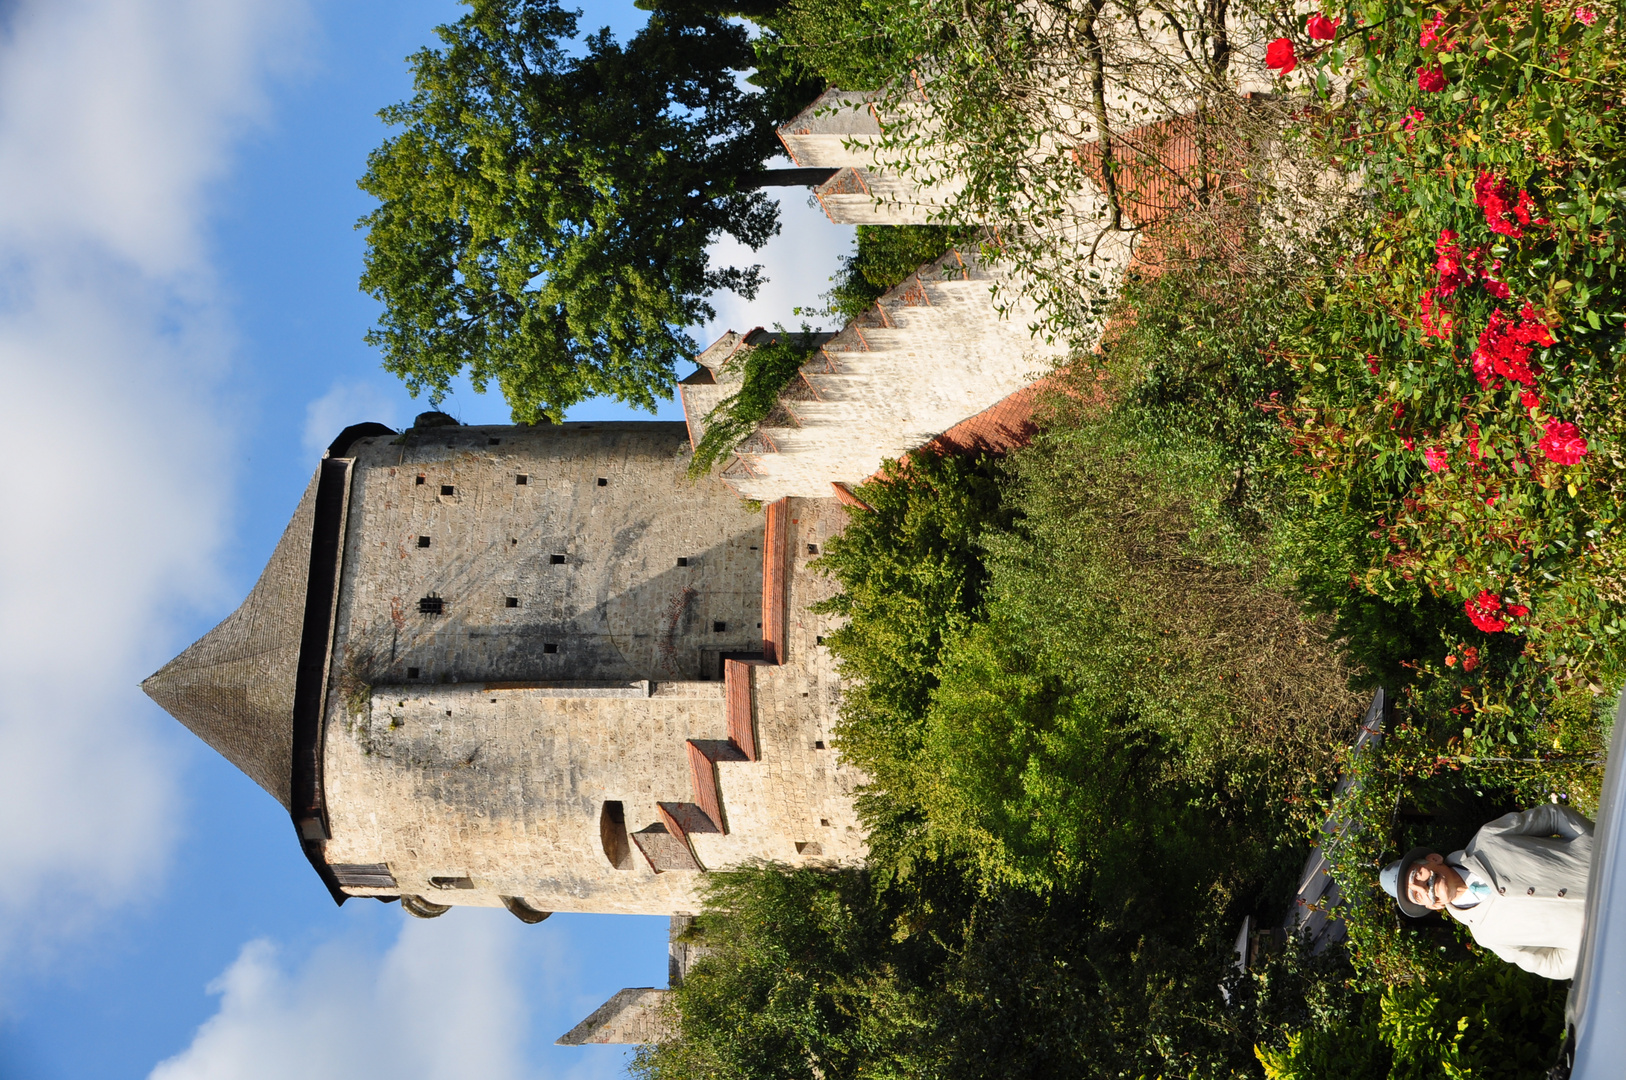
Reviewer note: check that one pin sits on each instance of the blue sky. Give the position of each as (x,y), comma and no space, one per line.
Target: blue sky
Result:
(180,332)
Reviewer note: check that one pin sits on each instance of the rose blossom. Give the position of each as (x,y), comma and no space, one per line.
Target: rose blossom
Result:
(1431,80)
(1280,57)
(1435,458)
(1322,28)
(1562,442)
(1586,16)
(1431,33)
(1483,612)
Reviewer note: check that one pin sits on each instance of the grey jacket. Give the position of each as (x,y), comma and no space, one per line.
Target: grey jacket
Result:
(1537,864)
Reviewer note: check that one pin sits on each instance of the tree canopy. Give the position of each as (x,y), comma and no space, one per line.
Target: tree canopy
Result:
(543,218)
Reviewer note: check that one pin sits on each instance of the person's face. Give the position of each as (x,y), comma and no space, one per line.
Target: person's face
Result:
(1431,883)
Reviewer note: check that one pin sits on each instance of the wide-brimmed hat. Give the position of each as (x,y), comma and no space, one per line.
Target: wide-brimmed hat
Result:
(1396,872)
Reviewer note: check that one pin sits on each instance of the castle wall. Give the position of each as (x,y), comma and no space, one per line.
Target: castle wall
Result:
(586,551)
(506,787)
(457,749)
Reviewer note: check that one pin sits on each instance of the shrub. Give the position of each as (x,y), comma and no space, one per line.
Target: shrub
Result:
(1477,1020)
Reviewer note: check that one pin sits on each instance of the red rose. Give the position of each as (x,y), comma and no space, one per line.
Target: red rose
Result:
(1483,612)
(1435,458)
(1518,611)
(1431,80)
(1280,57)
(1562,442)
(1322,28)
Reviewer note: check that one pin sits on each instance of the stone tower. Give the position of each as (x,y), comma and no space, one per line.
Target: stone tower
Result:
(535,667)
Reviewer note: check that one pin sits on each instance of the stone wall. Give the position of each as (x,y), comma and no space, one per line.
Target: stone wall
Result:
(935,350)
(468,765)
(573,574)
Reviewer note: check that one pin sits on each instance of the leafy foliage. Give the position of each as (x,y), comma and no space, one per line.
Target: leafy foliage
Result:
(790,986)
(544,219)
(911,573)
(1478,1019)
(1461,373)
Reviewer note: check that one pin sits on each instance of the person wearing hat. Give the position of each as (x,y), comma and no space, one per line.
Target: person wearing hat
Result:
(1519,887)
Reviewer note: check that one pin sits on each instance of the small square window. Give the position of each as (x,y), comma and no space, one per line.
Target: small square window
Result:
(549,647)
(423,541)
(812,549)
(819,745)
(448,489)
(421,479)
(825,822)
(556,560)
(683,560)
(512,601)
(604,481)
(431,605)
(718,627)
(412,673)
(521,480)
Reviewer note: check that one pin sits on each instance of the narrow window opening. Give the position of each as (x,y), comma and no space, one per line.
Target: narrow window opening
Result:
(683,560)
(818,745)
(461,881)
(512,601)
(448,489)
(422,479)
(521,480)
(431,605)
(718,627)
(819,640)
(604,481)
(549,647)
(825,822)
(612,833)
(412,673)
(556,560)
(423,541)
(812,549)
(512,542)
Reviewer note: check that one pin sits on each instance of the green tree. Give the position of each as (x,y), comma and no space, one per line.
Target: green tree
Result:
(543,218)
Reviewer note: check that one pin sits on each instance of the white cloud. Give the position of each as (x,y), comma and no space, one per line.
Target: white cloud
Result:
(115,118)
(798,263)
(349,403)
(448,999)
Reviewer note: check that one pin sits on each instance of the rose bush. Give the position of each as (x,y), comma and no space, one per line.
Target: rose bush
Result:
(1462,370)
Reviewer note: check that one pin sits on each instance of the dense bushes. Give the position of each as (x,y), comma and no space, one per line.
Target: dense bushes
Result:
(1480,1019)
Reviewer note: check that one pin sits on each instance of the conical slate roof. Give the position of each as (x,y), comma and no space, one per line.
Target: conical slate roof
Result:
(234,687)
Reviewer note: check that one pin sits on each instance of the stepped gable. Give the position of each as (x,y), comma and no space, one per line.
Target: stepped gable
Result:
(234,687)
(831,133)
(933,352)
(721,371)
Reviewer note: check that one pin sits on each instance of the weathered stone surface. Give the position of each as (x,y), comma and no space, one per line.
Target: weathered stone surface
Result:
(633,1015)
(933,352)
